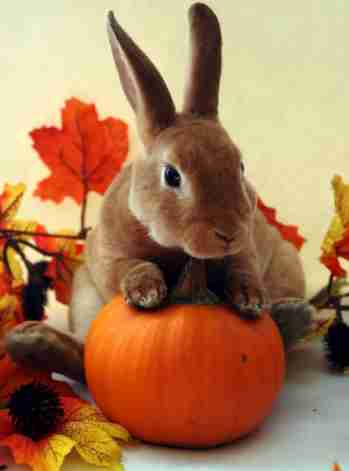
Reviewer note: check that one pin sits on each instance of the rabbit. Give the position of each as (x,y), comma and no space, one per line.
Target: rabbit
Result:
(186,196)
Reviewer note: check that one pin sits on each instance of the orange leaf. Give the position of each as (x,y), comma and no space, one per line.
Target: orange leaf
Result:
(7,370)
(44,243)
(289,233)
(26,451)
(336,467)
(332,263)
(61,269)
(84,155)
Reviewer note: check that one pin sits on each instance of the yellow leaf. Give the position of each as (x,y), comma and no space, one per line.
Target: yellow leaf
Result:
(45,455)
(341,193)
(88,414)
(94,435)
(10,201)
(320,330)
(8,304)
(55,450)
(15,265)
(333,235)
(93,444)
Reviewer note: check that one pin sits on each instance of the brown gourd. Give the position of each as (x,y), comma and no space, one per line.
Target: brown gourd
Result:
(193,374)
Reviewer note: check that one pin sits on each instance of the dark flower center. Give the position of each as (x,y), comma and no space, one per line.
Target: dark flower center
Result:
(35,410)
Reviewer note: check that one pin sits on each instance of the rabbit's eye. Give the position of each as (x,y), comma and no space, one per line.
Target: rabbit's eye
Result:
(172,177)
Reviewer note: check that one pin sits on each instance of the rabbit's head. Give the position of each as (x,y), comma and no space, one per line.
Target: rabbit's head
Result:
(188,189)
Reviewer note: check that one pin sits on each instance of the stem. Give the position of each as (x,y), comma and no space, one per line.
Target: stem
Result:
(329,286)
(84,181)
(4,233)
(338,307)
(14,244)
(83,229)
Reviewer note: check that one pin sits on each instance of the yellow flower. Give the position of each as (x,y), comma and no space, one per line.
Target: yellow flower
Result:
(61,422)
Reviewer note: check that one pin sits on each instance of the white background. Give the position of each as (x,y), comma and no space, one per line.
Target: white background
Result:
(285,101)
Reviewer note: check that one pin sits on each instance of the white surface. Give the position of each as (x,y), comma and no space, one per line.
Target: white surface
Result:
(284,98)
(308,430)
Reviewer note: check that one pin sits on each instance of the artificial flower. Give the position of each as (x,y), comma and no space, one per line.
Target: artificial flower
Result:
(44,420)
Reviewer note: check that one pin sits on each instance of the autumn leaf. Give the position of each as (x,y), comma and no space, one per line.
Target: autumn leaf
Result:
(84,155)
(10,201)
(79,425)
(288,232)
(336,241)
(67,257)
(48,457)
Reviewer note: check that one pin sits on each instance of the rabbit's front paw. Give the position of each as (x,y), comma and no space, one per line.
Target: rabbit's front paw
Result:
(247,299)
(144,286)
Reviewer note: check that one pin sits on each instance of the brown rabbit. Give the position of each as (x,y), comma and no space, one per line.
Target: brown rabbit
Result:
(186,196)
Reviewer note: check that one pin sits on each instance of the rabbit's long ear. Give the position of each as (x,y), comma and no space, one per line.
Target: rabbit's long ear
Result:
(202,88)
(143,85)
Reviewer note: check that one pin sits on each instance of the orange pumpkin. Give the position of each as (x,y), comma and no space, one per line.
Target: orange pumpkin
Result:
(184,375)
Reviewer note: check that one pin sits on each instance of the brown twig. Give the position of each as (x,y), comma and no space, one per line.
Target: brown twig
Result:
(84,181)
(5,233)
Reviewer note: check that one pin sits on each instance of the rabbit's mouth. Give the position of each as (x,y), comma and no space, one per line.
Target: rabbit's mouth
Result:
(212,252)
(200,242)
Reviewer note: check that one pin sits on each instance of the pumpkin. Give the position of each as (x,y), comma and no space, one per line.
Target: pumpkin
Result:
(191,375)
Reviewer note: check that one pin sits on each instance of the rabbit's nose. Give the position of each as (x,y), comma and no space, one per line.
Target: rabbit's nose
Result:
(222,236)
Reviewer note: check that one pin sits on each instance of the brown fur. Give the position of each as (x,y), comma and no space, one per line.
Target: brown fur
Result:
(147,230)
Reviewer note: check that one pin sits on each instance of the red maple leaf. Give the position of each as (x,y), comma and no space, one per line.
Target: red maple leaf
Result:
(83,156)
(67,256)
(288,232)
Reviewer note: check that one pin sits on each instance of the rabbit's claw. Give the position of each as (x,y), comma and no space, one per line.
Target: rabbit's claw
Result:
(144,286)
(249,301)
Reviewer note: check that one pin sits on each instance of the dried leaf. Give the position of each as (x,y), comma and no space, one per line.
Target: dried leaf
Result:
(289,233)
(89,415)
(55,450)
(82,428)
(62,268)
(84,155)
(333,235)
(332,263)
(10,201)
(336,242)
(94,445)
(341,194)
(93,434)
(46,455)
